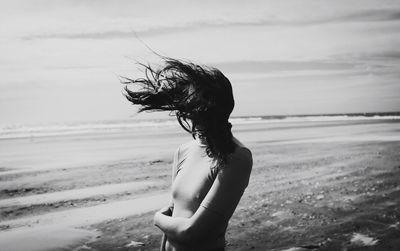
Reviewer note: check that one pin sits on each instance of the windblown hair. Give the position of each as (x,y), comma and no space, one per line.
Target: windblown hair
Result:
(197,94)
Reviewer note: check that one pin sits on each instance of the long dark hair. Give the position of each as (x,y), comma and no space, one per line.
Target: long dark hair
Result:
(197,94)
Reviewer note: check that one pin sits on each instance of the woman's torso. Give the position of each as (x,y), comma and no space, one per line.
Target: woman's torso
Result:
(195,174)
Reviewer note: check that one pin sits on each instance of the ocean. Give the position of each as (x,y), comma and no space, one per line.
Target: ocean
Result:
(121,126)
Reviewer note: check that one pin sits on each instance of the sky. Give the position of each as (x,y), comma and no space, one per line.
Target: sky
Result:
(60,59)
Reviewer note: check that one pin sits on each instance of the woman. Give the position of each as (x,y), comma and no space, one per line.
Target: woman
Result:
(211,172)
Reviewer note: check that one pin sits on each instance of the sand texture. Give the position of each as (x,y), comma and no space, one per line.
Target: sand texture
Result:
(314,186)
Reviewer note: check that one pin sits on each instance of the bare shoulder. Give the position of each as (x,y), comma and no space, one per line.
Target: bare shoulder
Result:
(183,148)
(241,157)
(241,150)
(186,145)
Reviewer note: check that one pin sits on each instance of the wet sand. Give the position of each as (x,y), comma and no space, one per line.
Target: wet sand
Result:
(314,186)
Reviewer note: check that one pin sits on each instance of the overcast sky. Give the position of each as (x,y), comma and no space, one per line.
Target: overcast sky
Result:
(60,58)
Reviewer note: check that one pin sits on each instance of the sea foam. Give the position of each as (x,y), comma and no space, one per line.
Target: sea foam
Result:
(117,126)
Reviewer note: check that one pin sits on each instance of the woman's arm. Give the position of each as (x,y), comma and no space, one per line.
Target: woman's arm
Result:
(188,230)
(168,212)
(169,209)
(218,205)
(173,227)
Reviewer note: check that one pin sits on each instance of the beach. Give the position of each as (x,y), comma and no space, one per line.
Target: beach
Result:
(316,184)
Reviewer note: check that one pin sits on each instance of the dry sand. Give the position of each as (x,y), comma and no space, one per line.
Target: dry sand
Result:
(314,186)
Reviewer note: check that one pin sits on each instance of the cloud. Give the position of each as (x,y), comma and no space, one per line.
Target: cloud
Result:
(362,64)
(156,30)
(384,55)
(380,15)
(275,66)
(367,16)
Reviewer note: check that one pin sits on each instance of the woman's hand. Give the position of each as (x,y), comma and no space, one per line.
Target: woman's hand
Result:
(167,211)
